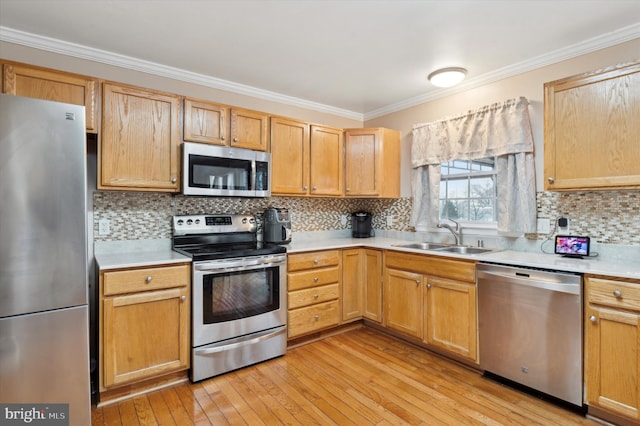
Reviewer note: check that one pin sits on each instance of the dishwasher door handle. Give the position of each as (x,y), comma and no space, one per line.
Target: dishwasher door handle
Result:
(528,282)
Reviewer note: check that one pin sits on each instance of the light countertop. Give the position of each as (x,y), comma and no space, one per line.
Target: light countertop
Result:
(130,254)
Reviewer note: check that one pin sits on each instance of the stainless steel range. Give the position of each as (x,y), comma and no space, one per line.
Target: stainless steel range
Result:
(239,309)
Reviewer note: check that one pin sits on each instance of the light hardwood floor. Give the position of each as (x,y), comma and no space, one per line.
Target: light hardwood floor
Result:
(361,377)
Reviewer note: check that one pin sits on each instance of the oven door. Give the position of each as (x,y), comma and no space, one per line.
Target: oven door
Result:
(236,297)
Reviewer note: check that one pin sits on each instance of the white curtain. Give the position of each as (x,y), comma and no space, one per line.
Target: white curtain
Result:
(502,130)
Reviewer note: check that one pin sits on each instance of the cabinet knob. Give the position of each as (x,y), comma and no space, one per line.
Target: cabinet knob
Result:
(551,180)
(315,279)
(183,298)
(221,138)
(428,285)
(316,317)
(593,318)
(617,293)
(315,296)
(314,188)
(174,180)
(148,279)
(305,187)
(235,139)
(417,281)
(316,261)
(348,189)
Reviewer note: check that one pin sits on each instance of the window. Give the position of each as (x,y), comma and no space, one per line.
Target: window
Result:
(468,191)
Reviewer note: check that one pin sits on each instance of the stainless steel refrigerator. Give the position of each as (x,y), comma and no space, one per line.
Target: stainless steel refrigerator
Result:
(44,324)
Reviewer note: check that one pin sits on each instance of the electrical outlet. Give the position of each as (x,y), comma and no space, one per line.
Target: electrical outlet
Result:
(543,226)
(343,219)
(104,227)
(390,220)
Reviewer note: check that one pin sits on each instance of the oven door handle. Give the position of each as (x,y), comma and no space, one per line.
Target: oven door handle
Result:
(241,265)
(243,341)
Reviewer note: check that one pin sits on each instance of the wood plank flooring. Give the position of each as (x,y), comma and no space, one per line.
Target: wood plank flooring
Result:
(361,377)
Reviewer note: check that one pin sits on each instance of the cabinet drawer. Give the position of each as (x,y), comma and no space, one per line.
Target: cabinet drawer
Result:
(617,294)
(321,259)
(306,279)
(133,280)
(313,295)
(313,318)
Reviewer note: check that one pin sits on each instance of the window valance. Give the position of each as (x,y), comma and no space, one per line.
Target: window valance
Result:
(493,130)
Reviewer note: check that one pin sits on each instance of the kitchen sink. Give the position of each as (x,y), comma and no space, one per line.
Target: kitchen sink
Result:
(465,250)
(424,246)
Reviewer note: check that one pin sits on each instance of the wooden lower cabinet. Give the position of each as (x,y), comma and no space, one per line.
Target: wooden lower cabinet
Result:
(144,323)
(432,299)
(361,284)
(450,316)
(313,296)
(612,346)
(403,301)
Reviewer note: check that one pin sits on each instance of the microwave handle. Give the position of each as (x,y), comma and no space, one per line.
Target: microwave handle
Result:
(253,175)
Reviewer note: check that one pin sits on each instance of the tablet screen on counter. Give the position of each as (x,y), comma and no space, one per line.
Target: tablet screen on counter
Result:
(572,245)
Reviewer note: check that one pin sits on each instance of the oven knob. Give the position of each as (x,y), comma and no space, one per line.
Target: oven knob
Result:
(180,222)
(189,221)
(252,220)
(244,220)
(197,221)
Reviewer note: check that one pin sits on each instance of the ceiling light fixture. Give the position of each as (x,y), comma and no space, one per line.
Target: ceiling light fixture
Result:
(447,77)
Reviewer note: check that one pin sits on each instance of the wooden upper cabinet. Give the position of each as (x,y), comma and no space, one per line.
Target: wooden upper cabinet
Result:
(372,163)
(326,161)
(289,157)
(206,122)
(592,130)
(139,148)
(249,129)
(42,83)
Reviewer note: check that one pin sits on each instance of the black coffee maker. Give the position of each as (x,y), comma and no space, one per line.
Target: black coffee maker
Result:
(361,225)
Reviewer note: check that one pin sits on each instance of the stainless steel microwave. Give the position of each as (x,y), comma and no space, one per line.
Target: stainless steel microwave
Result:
(223,171)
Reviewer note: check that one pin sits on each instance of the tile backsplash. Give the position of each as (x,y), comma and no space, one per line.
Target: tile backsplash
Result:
(611,217)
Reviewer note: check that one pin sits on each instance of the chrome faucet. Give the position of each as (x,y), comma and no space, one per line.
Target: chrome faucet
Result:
(457,232)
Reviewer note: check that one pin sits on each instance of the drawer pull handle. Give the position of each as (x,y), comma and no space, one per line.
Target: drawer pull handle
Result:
(315,279)
(315,296)
(617,293)
(148,279)
(316,261)
(593,319)
(417,281)
(428,285)
(316,317)
(183,298)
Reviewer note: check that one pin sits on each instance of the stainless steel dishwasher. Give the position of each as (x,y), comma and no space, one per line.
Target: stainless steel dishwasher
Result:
(530,328)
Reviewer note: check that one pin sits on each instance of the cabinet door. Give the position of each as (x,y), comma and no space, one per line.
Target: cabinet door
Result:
(450,316)
(145,335)
(352,284)
(372,308)
(592,130)
(612,360)
(403,301)
(140,140)
(249,129)
(205,122)
(361,169)
(33,82)
(289,157)
(326,161)
(372,163)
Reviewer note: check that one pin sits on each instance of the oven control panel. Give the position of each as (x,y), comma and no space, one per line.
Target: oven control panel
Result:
(213,223)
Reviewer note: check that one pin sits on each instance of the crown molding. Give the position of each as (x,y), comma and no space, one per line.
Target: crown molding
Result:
(621,35)
(11,35)
(84,52)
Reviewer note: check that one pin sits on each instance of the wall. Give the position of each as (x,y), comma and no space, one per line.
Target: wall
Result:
(142,215)
(616,216)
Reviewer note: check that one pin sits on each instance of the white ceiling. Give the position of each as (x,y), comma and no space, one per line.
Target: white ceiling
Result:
(357,58)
